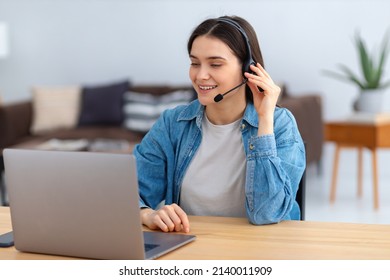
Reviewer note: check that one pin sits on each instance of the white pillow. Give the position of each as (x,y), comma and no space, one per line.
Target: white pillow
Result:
(55,108)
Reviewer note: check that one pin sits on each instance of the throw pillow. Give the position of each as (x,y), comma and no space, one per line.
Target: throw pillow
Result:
(141,110)
(102,105)
(54,108)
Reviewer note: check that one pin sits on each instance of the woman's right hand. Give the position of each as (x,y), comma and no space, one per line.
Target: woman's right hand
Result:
(168,218)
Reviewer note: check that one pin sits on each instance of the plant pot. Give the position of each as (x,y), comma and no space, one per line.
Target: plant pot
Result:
(370,101)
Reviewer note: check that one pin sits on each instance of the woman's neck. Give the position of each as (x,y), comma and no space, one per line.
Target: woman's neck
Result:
(227,111)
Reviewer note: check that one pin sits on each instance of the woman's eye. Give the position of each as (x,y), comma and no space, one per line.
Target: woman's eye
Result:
(194,64)
(216,65)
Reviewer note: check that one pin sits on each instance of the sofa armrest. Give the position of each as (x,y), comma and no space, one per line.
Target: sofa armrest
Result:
(307,110)
(15,122)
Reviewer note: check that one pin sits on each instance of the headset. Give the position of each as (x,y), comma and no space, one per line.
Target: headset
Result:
(245,64)
(248,60)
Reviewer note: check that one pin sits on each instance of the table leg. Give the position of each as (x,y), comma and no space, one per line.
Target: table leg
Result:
(335,171)
(3,201)
(360,172)
(375,179)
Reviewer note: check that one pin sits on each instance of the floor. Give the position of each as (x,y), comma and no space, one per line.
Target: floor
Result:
(348,207)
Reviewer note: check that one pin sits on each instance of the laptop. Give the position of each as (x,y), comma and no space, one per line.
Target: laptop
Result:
(80,204)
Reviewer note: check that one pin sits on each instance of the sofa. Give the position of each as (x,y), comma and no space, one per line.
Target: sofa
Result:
(17,119)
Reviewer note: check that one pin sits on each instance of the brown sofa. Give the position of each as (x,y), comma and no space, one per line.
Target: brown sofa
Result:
(16,119)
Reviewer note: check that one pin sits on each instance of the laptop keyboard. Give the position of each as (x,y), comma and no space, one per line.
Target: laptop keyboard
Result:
(149,246)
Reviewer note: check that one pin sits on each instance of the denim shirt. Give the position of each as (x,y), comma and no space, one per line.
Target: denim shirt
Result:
(274,162)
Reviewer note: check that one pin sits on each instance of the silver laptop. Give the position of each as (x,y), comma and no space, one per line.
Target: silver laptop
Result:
(80,204)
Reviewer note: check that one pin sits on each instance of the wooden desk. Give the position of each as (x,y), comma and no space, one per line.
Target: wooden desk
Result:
(359,135)
(235,238)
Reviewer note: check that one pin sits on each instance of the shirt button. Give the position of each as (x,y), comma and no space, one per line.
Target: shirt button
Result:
(251,147)
(243,126)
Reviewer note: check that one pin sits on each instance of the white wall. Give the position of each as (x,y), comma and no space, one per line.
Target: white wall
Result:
(65,42)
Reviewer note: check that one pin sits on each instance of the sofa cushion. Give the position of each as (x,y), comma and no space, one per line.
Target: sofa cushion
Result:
(54,108)
(102,105)
(141,110)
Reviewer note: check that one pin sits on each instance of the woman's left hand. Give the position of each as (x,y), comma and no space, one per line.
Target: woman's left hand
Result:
(264,102)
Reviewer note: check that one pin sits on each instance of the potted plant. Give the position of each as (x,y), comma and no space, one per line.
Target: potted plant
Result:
(371,85)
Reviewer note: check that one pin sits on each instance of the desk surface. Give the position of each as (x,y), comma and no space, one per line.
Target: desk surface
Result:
(235,238)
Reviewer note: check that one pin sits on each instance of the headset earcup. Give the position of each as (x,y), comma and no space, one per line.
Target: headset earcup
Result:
(246,65)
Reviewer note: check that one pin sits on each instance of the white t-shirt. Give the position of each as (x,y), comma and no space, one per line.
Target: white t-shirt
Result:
(214,184)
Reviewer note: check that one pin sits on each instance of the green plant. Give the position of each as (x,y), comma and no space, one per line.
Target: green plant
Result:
(371,68)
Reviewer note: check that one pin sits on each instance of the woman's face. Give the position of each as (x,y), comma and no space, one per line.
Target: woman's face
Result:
(214,69)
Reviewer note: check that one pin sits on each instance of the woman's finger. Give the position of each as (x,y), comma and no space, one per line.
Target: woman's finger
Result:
(164,221)
(262,70)
(172,218)
(184,222)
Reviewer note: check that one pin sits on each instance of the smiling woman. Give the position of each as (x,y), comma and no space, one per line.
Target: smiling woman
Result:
(231,152)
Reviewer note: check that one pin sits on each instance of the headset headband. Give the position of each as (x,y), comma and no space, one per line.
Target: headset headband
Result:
(249,60)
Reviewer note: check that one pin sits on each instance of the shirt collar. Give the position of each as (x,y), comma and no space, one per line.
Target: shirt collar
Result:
(192,111)
(195,111)
(250,115)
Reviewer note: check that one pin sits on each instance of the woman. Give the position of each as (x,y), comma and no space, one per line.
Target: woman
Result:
(231,152)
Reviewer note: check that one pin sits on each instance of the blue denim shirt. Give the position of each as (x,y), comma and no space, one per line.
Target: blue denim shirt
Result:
(275,162)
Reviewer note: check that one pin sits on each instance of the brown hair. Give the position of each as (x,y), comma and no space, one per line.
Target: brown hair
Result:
(232,37)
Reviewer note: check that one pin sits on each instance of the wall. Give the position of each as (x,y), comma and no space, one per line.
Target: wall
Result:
(66,42)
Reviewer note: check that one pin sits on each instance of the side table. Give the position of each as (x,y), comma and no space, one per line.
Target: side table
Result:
(359,135)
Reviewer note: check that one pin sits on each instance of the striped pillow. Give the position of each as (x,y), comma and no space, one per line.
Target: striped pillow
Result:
(141,110)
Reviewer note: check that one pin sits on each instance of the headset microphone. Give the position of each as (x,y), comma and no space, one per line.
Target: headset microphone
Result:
(220,96)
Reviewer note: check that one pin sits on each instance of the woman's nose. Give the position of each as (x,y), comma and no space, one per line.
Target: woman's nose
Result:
(203,73)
